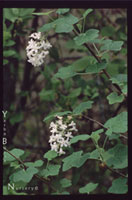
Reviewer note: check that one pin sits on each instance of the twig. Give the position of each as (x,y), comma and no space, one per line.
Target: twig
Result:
(102,160)
(116,172)
(99,61)
(86,117)
(25,167)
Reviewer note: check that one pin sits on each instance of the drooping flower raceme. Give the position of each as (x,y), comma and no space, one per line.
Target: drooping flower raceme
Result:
(37,49)
(61,133)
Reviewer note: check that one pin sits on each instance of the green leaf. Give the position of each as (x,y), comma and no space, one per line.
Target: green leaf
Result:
(117,124)
(88,188)
(82,137)
(8,53)
(70,44)
(87,12)
(75,93)
(119,186)
(62,27)
(95,135)
(8,14)
(69,18)
(45,13)
(47,95)
(117,156)
(51,116)
(114,98)
(24,175)
(82,63)
(5,62)
(15,11)
(72,160)
(125,89)
(95,68)
(79,65)
(25,12)
(108,132)
(62,11)
(82,107)
(65,183)
(13,14)
(6,36)
(51,170)
(75,160)
(16,118)
(15,164)
(65,72)
(65,24)
(95,154)
(37,163)
(111,45)
(9,43)
(88,36)
(83,159)
(108,31)
(119,79)
(16,152)
(47,27)
(50,155)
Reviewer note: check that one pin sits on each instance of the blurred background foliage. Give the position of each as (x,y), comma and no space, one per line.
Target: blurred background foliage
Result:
(30,94)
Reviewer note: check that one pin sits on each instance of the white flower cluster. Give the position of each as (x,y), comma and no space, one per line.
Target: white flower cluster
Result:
(37,49)
(61,134)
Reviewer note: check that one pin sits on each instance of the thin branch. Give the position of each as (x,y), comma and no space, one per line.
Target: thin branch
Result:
(119,173)
(106,138)
(86,117)
(99,61)
(25,167)
(112,170)
(99,123)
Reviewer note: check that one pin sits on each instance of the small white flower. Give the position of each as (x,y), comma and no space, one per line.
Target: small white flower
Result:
(54,146)
(61,134)
(59,117)
(53,130)
(59,122)
(59,137)
(69,117)
(35,35)
(73,129)
(63,126)
(37,50)
(52,139)
(69,135)
(72,123)
(64,143)
(53,125)
(61,151)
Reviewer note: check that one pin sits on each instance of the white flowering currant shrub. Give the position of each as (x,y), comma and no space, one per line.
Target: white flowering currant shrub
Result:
(79,146)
